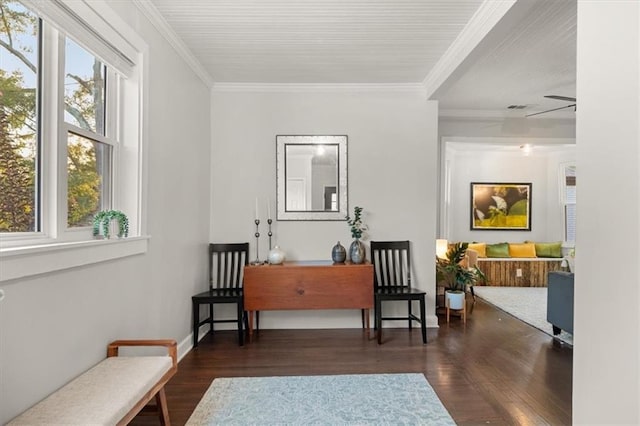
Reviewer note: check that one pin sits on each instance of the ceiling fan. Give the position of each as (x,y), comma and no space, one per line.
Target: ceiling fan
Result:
(559,98)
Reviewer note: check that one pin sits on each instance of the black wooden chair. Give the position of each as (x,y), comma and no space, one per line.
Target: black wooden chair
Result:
(392,281)
(226,268)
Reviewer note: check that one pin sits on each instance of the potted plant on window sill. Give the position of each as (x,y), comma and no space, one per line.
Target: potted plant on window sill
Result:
(102,224)
(456,276)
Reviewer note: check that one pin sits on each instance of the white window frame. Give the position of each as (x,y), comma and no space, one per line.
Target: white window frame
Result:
(564,202)
(97,28)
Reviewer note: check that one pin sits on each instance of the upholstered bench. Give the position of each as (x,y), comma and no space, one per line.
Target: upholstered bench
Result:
(518,264)
(110,393)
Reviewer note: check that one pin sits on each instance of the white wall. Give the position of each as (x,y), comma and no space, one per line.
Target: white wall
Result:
(481,162)
(392,148)
(54,327)
(606,385)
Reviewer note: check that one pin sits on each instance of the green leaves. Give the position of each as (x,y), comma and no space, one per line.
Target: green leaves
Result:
(453,273)
(102,220)
(356,224)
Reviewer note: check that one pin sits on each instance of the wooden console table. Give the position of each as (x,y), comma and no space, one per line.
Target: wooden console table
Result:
(308,285)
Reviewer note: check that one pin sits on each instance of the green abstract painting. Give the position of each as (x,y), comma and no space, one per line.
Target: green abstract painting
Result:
(500,206)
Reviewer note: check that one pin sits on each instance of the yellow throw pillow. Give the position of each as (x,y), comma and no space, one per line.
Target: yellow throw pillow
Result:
(522,250)
(481,248)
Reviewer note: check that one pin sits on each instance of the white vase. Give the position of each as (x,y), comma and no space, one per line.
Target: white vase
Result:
(571,261)
(112,231)
(455,299)
(276,256)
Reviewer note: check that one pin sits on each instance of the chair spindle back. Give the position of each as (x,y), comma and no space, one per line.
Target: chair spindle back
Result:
(226,265)
(391,263)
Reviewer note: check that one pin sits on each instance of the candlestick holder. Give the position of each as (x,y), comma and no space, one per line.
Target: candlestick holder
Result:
(257,234)
(270,234)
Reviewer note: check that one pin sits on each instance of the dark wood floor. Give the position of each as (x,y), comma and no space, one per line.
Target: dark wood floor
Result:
(494,370)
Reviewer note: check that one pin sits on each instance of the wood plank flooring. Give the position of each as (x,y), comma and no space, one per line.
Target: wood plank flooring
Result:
(494,370)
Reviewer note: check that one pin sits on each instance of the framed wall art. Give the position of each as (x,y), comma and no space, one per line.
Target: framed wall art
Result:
(500,206)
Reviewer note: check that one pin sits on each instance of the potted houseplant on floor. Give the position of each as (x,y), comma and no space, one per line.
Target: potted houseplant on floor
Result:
(455,275)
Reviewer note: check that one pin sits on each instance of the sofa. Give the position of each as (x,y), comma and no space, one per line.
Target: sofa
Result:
(517,264)
(560,301)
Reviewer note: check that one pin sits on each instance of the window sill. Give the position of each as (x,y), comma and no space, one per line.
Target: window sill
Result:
(24,262)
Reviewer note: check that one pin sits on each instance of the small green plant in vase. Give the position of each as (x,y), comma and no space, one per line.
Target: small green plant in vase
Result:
(356,224)
(102,224)
(357,250)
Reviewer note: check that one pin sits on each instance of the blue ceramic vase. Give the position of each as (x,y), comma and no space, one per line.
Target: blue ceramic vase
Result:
(338,253)
(357,252)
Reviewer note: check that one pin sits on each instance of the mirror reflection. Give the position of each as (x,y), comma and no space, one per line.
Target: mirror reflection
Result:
(312,181)
(312,177)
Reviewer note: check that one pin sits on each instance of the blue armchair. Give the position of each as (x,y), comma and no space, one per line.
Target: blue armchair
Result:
(560,301)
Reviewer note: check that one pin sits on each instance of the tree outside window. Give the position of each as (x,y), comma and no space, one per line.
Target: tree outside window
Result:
(19,34)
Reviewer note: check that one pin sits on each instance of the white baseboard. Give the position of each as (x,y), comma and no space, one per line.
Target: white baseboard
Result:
(187,343)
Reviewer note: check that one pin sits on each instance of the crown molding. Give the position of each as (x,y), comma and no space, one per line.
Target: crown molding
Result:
(158,21)
(319,87)
(479,113)
(506,141)
(485,18)
(486,114)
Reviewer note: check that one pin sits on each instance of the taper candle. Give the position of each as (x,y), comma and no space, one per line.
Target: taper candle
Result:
(268,208)
(257,215)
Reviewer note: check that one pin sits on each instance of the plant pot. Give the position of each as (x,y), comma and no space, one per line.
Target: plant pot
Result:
(455,299)
(110,223)
(357,252)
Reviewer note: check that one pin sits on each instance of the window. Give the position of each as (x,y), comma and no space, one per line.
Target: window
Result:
(89,150)
(19,119)
(63,121)
(568,199)
(70,131)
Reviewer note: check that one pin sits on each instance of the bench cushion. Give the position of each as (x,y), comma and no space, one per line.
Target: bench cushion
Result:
(101,396)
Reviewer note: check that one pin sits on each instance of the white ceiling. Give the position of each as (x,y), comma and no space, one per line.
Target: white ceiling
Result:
(532,57)
(527,55)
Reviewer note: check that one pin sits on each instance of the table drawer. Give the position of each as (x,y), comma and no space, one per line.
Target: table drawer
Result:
(286,287)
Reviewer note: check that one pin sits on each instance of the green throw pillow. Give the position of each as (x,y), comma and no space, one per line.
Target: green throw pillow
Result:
(549,249)
(498,250)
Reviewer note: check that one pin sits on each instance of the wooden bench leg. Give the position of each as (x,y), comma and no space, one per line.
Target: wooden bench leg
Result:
(163,411)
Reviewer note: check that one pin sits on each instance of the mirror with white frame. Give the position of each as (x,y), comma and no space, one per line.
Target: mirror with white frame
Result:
(311,177)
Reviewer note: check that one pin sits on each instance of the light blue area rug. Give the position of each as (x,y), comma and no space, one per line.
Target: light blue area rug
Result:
(359,399)
(528,304)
